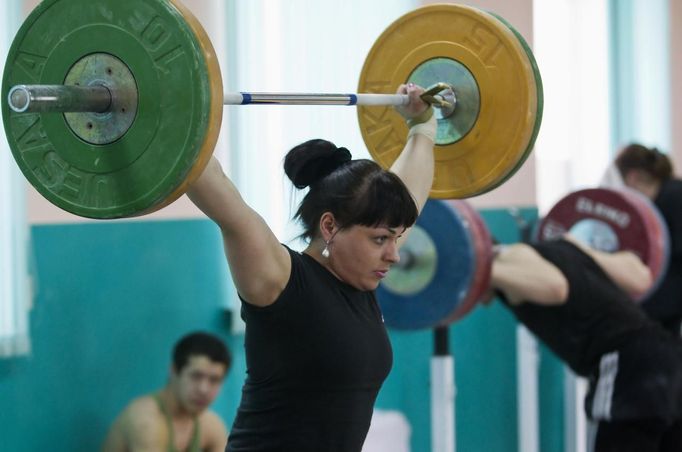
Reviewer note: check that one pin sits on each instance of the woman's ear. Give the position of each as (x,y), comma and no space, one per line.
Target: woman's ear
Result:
(328,226)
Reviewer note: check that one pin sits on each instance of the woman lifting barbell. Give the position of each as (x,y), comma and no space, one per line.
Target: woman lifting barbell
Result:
(576,300)
(317,351)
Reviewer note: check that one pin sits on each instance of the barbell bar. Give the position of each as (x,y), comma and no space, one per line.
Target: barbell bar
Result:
(151,126)
(98,98)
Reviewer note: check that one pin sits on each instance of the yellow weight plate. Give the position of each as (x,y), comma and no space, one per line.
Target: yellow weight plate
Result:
(489,133)
(216,108)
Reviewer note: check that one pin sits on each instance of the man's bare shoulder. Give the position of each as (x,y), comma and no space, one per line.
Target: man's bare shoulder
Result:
(210,418)
(140,425)
(143,416)
(213,431)
(144,406)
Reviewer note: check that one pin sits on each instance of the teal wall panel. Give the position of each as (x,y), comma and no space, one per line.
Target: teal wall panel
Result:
(112,297)
(111,300)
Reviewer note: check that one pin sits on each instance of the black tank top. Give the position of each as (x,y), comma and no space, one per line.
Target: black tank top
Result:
(316,359)
(597,317)
(665,304)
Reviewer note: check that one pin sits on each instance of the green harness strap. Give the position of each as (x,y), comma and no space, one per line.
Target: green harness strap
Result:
(194,445)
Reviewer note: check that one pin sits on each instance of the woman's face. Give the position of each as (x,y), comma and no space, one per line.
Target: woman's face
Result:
(641,181)
(361,256)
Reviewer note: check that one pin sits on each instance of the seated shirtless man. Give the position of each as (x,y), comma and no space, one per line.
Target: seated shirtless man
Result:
(176,418)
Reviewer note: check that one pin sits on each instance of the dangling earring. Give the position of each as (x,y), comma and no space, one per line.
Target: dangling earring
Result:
(325,251)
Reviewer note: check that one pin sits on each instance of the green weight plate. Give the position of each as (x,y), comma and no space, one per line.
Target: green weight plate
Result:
(141,169)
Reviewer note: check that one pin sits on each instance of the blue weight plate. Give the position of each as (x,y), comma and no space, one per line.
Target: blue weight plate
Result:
(451,269)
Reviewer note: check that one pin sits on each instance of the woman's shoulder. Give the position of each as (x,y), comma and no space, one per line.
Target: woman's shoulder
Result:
(669,197)
(298,258)
(674,186)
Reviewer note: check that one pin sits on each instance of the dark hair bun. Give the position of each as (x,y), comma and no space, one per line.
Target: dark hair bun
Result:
(309,162)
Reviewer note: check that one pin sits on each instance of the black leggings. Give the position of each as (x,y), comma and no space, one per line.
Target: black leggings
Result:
(638,436)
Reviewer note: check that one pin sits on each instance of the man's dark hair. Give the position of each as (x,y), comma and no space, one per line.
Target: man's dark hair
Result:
(200,344)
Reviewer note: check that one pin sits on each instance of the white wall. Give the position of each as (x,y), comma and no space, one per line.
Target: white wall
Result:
(573,147)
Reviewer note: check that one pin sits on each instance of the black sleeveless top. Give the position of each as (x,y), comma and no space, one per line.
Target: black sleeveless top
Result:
(598,317)
(665,304)
(316,359)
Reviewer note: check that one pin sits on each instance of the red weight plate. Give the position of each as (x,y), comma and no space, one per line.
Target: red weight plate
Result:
(631,220)
(482,244)
(608,207)
(657,231)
